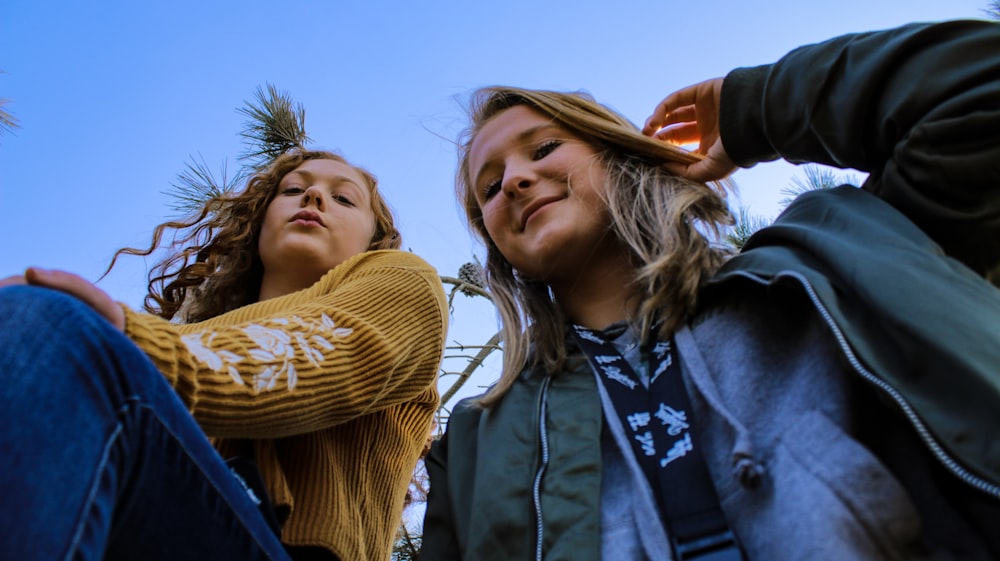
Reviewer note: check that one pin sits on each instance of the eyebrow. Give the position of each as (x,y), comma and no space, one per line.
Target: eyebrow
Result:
(520,137)
(337,179)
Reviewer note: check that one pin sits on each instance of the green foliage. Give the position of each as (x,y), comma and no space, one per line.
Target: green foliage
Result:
(747,223)
(7,121)
(993,10)
(816,178)
(197,184)
(275,124)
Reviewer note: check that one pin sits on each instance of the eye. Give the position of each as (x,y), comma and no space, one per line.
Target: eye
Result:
(292,189)
(492,188)
(545,148)
(342,200)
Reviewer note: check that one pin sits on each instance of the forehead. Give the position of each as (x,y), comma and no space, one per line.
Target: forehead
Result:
(503,131)
(331,171)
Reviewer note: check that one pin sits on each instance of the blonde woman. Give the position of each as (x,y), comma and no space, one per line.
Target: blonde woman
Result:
(830,393)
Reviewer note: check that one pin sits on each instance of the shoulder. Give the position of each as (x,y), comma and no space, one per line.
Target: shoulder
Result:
(388,269)
(386,258)
(383,279)
(465,414)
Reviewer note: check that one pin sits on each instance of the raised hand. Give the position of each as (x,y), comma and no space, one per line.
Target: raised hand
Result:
(688,116)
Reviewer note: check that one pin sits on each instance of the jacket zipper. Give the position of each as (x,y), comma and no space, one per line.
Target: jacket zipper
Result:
(935,447)
(536,487)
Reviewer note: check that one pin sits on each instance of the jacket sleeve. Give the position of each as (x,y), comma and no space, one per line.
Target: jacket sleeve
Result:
(367,336)
(439,540)
(916,107)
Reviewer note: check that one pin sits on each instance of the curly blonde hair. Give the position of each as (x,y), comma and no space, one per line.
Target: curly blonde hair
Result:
(669,224)
(214,263)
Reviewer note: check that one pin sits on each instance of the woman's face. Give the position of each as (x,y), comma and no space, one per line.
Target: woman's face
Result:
(321,216)
(540,189)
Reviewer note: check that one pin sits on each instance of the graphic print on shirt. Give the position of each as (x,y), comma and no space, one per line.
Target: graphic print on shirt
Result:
(679,449)
(676,421)
(277,343)
(671,439)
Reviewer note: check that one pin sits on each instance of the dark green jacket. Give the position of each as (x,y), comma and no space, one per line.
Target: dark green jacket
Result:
(918,108)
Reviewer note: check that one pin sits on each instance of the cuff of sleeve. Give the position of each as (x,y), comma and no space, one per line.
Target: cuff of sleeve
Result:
(741,116)
(128,316)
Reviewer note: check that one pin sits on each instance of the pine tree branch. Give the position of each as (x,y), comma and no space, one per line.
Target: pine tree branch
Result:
(7,121)
(993,11)
(196,185)
(274,125)
(492,345)
(817,178)
(746,225)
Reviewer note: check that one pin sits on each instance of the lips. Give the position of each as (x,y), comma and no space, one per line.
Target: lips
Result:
(535,206)
(308,216)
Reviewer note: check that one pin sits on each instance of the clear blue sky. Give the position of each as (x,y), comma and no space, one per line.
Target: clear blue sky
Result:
(113,98)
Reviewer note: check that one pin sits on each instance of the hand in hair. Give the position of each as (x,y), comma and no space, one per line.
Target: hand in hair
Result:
(691,115)
(73,285)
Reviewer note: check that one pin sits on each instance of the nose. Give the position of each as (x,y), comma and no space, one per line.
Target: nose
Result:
(313,195)
(517,177)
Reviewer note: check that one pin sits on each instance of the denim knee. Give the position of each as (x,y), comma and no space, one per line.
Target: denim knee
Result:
(48,336)
(26,307)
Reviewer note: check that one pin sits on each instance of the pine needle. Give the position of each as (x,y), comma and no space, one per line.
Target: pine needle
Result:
(746,225)
(197,184)
(275,124)
(993,11)
(7,121)
(817,178)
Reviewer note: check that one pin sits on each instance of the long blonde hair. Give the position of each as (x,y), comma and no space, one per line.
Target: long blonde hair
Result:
(669,225)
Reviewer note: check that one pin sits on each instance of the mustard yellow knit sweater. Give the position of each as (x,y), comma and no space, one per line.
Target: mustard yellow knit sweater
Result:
(331,389)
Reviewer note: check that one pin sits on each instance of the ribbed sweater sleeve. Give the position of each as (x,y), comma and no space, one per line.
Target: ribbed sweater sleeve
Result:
(367,336)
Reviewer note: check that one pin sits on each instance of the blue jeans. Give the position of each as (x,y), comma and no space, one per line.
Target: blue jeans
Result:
(99,459)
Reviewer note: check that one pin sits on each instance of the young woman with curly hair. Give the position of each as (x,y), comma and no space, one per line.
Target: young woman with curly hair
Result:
(285,325)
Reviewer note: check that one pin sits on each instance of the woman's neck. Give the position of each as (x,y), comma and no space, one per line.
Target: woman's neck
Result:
(599,297)
(273,287)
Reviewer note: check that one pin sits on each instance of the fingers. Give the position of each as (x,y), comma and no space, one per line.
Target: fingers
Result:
(676,107)
(715,166)
(691,116)
(686,114)
(687,133)
(694,104)
(82,289)
(12,280)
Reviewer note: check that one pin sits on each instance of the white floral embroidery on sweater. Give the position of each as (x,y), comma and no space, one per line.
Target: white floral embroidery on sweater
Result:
(277,341)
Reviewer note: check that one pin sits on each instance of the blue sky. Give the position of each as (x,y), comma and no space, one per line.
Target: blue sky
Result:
(114,97)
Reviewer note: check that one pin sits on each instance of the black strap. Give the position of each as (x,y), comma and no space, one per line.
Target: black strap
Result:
(248,476)
(658,424)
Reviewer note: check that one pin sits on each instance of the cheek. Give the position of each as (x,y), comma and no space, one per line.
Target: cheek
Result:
(266,227)
(503,242)
(492,215)
(367,227)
